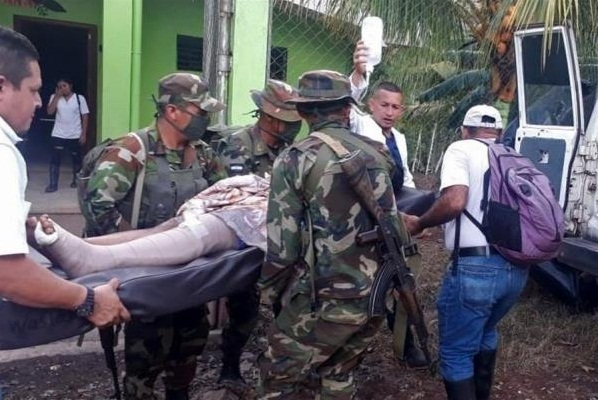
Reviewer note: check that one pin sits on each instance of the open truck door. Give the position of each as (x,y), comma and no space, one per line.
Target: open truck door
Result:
(552,134)
(550,112)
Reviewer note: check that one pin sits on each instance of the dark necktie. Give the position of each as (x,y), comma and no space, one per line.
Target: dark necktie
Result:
(391,143)
(398,174)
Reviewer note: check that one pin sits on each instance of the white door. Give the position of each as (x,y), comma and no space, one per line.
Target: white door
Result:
(550,105)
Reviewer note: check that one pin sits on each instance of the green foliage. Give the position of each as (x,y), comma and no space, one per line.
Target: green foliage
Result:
(43,6)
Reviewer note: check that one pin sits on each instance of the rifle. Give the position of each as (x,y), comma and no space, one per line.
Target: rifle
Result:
(394,268)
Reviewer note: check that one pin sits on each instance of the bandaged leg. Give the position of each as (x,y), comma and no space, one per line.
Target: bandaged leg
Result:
(175,246)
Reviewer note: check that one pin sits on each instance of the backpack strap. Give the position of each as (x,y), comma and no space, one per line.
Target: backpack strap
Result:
(483,207)
(79,106)
(143,139)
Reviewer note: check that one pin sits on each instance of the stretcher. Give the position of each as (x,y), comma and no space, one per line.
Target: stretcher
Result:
(146,292)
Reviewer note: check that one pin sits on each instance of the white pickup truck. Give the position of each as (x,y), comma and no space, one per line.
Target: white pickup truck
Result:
(557,129)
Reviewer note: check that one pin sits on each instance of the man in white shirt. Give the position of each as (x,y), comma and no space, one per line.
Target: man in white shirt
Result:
(480,286)
(386,107)
(70,129)
(22,280)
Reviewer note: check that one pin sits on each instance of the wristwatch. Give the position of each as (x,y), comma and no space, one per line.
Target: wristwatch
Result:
(85,309)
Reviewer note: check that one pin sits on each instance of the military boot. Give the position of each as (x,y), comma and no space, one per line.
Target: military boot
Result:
(230,374)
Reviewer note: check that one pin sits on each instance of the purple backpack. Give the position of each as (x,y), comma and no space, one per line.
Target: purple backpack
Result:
(522,219)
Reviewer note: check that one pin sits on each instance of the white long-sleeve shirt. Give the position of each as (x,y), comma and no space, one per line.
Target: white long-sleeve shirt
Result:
(363,124)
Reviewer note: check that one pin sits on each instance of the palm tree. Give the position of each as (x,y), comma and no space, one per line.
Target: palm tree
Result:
(451,54)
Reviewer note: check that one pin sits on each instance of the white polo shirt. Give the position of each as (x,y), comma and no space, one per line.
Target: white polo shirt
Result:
(464,163)
(67,124)
(13,207)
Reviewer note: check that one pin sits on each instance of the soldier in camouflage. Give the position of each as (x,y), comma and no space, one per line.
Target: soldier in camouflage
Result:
(252,149)
(178,165)
(323,329)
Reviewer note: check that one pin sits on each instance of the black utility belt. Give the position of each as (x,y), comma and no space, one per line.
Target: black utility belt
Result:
(477,251)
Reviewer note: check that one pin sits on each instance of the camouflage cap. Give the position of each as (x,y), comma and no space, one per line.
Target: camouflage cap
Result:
(186,87)
(322,86)
(272,99)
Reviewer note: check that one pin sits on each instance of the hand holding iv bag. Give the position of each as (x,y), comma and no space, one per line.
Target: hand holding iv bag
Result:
(371,34)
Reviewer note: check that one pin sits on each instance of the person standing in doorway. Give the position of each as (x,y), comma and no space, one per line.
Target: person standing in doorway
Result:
(22,280)
(70,129)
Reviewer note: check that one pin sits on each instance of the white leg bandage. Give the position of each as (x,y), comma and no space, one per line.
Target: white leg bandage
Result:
(175,246)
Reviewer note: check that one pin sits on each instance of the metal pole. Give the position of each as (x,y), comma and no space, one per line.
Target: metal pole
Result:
(431,150)
(224,56)
(135,63)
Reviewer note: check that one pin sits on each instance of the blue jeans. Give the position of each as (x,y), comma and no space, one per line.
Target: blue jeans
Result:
(475,295)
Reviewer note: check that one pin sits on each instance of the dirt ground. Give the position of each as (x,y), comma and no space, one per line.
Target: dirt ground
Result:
(547,352)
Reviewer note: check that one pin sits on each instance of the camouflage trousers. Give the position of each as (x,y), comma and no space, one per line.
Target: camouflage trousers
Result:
(169,343)
(243,313)
(314,354)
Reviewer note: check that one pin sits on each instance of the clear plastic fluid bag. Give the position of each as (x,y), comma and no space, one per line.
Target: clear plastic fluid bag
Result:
(371,33)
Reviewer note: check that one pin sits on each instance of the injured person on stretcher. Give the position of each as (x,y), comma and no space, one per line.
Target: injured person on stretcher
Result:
(230,214)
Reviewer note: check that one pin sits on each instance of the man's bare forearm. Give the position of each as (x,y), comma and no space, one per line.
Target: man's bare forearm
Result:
(447,207)
(25,282)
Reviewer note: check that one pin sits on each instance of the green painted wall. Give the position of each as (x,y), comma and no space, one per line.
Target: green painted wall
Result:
(163,20)
(115,85)
(309,46)
(249,46)
(84,11)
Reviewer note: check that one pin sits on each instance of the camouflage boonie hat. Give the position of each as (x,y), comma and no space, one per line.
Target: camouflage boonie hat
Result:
(272,99)
(322,86)
(183,87)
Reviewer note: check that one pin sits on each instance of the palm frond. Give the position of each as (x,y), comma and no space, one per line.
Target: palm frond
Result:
(468,80)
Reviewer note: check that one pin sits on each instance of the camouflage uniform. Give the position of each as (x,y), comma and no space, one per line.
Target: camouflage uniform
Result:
(245,152)
(317,346)
(168,343)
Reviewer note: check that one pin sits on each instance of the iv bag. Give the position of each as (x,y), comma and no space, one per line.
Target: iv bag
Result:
(371,34)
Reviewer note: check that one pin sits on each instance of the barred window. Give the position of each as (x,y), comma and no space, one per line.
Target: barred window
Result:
(278,63)
(189,53)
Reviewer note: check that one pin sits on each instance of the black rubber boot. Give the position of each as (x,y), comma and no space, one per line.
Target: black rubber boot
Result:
(483,370)
(73,184)
(460,390)
(54,174)
(414,356)
(176,394)
(230,374)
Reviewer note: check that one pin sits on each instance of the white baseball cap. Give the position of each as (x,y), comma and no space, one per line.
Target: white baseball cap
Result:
(483,116)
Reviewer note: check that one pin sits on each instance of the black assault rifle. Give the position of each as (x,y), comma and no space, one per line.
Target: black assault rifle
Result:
(394,269)
(395,272)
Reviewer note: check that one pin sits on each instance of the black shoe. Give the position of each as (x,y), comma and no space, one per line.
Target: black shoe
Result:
(73,185)
(50,189)
(230,378)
